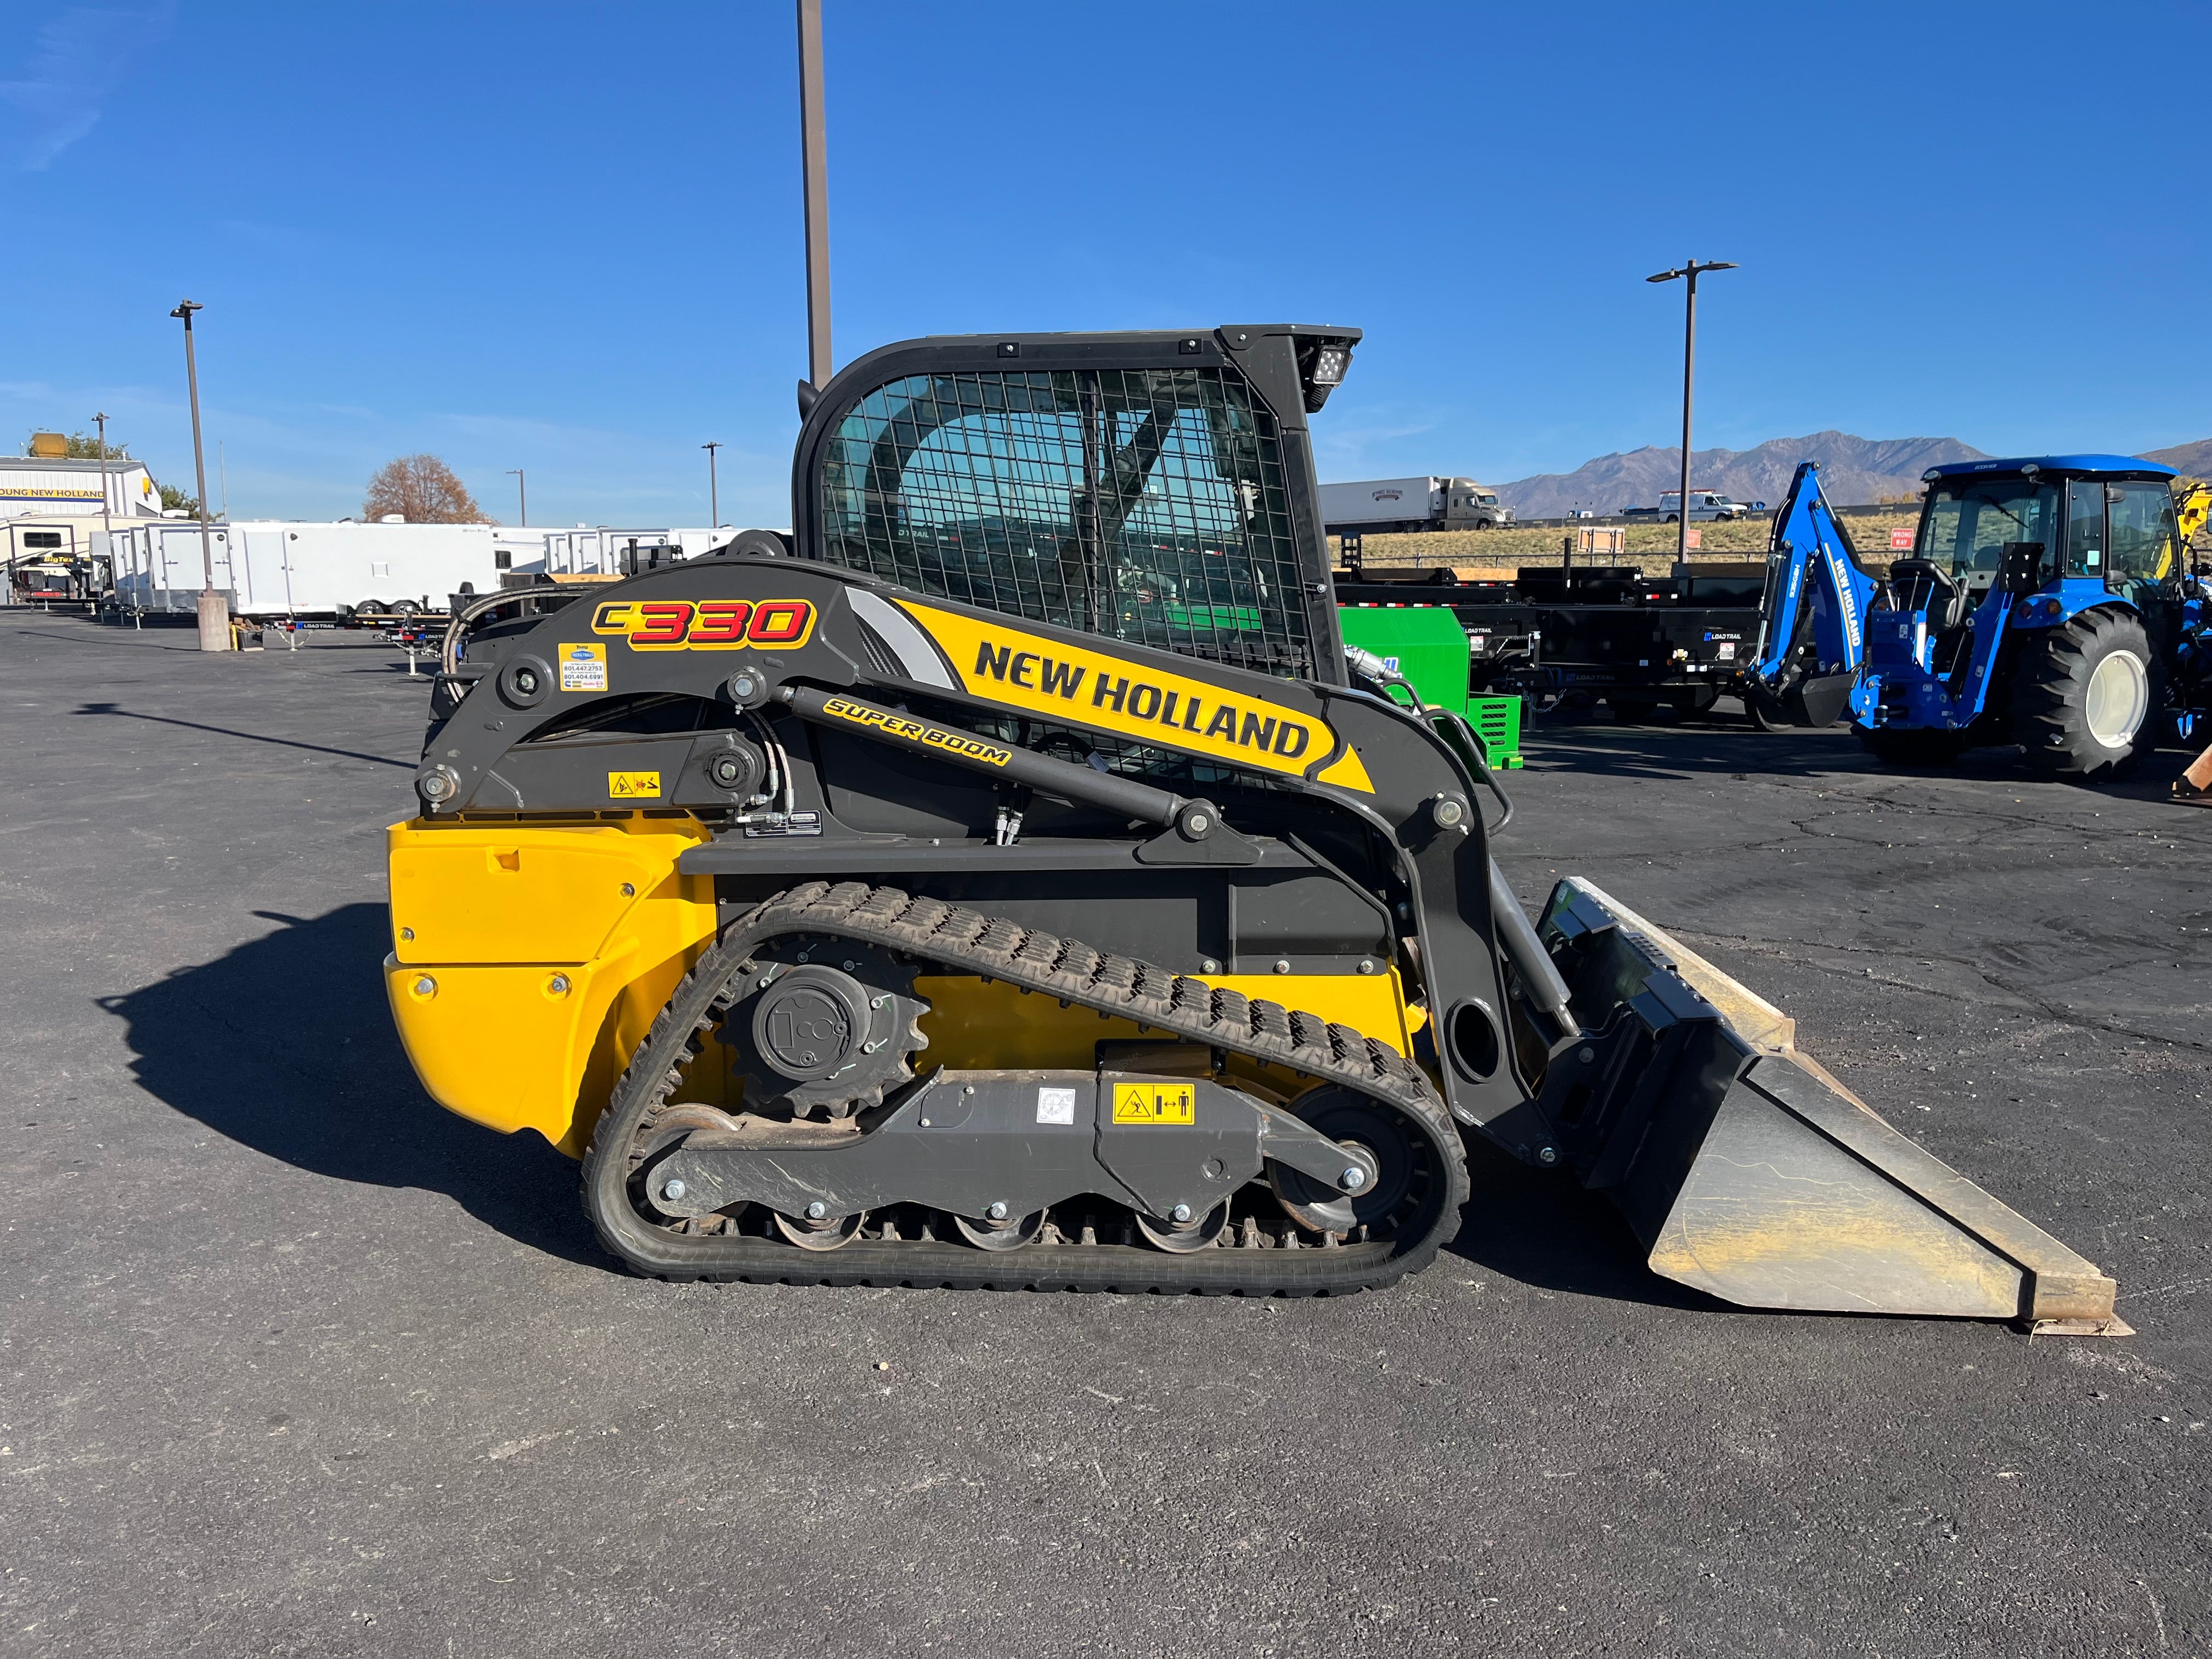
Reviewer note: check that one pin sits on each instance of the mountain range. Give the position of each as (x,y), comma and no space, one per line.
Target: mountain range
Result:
(1854,471)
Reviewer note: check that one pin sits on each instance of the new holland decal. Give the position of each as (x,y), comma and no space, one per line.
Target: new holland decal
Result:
(706,624)
(1020,670)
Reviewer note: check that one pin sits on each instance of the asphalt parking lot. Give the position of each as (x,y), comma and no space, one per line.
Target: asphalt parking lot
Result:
(295,1363)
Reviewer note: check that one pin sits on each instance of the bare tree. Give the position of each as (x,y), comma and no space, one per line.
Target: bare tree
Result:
(421,489)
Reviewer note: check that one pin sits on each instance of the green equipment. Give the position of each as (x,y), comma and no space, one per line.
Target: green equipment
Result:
(1428,645)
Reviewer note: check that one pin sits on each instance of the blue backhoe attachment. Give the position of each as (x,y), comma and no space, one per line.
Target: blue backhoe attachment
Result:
(1812,620)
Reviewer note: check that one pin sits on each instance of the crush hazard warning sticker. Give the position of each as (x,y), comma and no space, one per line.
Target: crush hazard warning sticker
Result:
(1154,1103)
(583,668)
(633,786)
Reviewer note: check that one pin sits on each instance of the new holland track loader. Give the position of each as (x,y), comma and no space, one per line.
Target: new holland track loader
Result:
(1008,879)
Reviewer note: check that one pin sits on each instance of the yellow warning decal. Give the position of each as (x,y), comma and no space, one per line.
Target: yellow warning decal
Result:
(1154,1103)
(633,786)
(1020,670)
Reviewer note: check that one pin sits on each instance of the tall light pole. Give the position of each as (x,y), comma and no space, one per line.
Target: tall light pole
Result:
(214,609)
(714,488)
(106,527)
(522,492)
(816,160)
(1691,270)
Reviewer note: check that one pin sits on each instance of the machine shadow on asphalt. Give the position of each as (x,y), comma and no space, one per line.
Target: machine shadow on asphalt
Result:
(285,1045)
(1541,1230)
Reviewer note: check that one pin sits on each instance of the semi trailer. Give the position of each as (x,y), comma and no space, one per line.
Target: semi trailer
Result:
(1383,506)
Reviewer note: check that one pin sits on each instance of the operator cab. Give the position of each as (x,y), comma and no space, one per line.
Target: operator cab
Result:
(2020,525)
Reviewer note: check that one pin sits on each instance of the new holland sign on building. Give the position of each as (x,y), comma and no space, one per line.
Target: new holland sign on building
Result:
(35,486)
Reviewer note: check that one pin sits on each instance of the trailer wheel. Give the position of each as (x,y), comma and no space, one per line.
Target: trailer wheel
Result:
(2085,698)
(1918,748)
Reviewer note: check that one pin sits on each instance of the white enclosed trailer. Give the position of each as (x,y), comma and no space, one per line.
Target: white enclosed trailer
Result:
(278,568)
(600,550)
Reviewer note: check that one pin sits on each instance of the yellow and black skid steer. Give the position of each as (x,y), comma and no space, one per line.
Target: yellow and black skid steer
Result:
(1007,877)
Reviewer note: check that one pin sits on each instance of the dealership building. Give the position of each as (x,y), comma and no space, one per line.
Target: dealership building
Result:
(51,506)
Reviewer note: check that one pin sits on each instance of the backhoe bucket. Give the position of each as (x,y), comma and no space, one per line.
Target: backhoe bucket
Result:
(1750,1173)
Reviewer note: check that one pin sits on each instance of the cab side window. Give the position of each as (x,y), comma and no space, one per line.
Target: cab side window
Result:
(2141,545)
(2085,528)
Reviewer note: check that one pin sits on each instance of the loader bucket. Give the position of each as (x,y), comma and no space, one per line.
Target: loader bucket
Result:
(1750,1173)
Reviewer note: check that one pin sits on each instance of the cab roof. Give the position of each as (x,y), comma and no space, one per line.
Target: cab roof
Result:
(2131,465)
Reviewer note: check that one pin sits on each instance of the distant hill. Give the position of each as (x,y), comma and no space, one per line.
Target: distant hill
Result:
(1854,471)
(2193,460)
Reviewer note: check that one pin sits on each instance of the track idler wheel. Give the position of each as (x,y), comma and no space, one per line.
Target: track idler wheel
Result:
(1405,1189)
(824,1232)
(1194,1232)
(1008,1234)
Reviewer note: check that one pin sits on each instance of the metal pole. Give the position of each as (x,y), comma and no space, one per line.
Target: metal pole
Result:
(714,488)
(214,609)
(522,494)
(816,162)
(106,528)
(1689,369)
(222,472)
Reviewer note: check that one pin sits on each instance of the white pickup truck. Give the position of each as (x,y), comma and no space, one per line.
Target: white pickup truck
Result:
(1705,504)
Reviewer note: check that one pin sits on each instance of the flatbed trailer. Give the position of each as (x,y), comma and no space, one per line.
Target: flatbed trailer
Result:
(1574,636)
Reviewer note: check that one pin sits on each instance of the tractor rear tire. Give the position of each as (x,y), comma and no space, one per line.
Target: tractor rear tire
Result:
(2086,698)
(1920,749)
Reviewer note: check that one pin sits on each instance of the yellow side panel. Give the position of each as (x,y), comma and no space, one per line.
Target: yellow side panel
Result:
(972,1025)
(527,892)
(500,914)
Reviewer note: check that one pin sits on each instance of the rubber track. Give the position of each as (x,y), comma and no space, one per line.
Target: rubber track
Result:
(971,941)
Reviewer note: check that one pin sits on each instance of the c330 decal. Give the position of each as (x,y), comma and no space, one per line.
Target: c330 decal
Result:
(706,624)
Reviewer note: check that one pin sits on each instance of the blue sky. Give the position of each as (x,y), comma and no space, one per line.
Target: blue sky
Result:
(566,237)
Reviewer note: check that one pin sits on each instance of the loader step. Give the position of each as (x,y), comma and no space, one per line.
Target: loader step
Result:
(1079,1246)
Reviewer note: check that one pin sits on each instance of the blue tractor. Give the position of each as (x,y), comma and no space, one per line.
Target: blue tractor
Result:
(2047,602)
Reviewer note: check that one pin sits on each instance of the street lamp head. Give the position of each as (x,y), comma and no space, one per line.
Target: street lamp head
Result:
(1664,277)
(185,309)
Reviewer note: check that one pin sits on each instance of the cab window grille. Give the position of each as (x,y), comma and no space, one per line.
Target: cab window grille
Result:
(1144,505)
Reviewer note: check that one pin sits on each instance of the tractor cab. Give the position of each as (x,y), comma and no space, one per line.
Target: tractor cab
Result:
(2026,576)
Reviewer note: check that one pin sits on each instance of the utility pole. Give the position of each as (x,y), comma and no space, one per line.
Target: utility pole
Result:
(815,152)
(1691,270)
(714,488)
(214,608)
(106,527)
(522,492)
